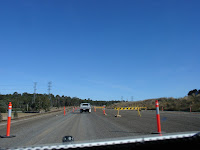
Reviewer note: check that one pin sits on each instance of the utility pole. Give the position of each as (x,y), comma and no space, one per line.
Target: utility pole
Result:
(34,95)
(49,90)
(121,98)
(131,98)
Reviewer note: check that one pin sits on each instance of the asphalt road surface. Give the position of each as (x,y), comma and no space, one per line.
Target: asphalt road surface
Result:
(50,128)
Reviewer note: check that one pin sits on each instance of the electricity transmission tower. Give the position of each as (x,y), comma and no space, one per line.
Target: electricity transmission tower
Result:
(131,98)
(49,91)
(34,95)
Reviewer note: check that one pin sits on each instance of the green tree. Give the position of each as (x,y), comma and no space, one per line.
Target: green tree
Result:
(3,106)
(46,103)
(38,103)
(57,101)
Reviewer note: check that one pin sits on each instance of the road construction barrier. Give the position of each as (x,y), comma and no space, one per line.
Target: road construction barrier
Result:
(8,122)
(9,118)
(98,107)
(94,109)
(118,115)
(104,110)
(64,110)
(158,118)
(138,110)
(131,108)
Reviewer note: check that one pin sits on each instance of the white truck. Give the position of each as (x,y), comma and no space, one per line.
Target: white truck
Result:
(85,107)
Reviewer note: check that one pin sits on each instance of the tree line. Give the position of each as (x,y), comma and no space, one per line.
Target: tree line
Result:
(26,102)
(194,92)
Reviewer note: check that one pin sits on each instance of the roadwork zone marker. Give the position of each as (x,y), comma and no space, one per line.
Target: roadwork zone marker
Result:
(8,122)
(139,114)
(99,107)
(104,110)
(157,118)
(64,110)
(118,115)
(131,108)
(94,109)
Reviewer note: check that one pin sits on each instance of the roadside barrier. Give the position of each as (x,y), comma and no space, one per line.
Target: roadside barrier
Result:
(104,110)
(64,110)
(131,108)
(94,109)
(118,115)
(8,122)
(99,107)
(158,119)
(138,109)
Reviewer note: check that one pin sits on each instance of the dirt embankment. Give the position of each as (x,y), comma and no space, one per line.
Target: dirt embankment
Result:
(170,104)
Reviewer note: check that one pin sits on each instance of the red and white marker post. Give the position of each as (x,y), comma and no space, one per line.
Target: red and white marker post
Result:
(94,109)
(158,118)
(104,110)
(8,122)
(64,110)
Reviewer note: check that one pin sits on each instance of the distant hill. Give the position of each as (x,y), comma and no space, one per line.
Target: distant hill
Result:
(174,104)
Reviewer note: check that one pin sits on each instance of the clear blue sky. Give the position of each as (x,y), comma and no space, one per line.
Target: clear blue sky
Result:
(100,49)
